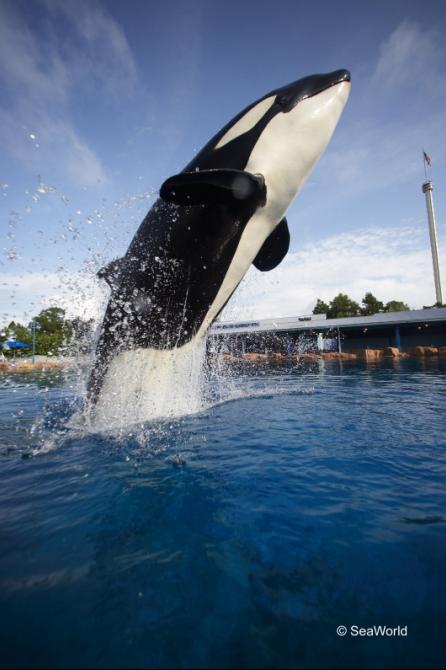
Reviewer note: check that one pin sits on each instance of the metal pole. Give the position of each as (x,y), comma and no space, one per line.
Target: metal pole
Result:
(33,326)
(427,190)
(339,342)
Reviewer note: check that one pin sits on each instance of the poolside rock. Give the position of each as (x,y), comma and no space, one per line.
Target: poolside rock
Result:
(426,351)
(309,357)
(27,366)
(339,356)
(372,354)
(255,357)
(392,352)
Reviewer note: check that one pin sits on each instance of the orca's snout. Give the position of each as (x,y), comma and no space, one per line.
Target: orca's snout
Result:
(341,75)
(289,96)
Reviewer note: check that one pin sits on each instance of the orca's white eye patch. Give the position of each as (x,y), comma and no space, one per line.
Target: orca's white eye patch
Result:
(247,121)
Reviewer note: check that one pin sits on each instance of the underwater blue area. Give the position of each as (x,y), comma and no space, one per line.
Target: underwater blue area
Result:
(242,536)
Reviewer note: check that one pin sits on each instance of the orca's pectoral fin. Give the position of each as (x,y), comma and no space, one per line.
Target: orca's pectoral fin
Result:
(111,272)
(208,187)
(274,249)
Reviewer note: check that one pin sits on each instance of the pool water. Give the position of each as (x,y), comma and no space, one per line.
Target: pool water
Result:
(242,536)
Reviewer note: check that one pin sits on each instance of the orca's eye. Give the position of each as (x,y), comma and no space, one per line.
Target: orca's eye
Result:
(282,100)
(287,101)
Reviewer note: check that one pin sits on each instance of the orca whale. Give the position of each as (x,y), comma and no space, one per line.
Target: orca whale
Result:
(222,213)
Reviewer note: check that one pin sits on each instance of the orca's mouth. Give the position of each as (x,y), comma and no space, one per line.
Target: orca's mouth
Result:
(342,76)
(289,96)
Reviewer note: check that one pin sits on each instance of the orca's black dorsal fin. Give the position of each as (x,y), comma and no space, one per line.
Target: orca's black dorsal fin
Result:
(111,272)
(207,187)
(274,249)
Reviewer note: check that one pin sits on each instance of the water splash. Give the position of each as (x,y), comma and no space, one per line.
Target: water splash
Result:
(144,387)
(155,420)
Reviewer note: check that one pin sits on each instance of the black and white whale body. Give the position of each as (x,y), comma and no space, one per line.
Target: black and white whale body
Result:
(222,213)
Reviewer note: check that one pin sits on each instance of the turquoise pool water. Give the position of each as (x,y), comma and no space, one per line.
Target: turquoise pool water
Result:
(239,537)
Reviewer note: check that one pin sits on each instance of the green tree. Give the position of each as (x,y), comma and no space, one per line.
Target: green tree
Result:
(342,306)
(371,305)
(53,331)
(396,306)
(52,320)
(321,307)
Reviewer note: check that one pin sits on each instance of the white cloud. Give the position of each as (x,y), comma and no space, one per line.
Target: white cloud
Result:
(44,74)
(81,162)
(99,49)
(392,264)
(410,56)
(24,296)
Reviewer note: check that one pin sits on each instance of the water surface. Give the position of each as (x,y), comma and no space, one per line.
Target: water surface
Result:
(238,537)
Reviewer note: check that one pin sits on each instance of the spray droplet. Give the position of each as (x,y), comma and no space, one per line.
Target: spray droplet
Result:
(44,188)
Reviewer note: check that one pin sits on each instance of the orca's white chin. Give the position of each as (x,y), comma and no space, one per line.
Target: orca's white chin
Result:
(293,142)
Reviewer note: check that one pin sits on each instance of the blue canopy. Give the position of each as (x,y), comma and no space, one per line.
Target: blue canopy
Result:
(13,344)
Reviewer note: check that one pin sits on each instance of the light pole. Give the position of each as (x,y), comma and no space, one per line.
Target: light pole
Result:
(33,332)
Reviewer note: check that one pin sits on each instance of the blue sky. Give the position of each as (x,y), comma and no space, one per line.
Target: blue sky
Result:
(101,101)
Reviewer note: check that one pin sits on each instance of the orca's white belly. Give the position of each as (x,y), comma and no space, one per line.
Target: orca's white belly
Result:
(146,384)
